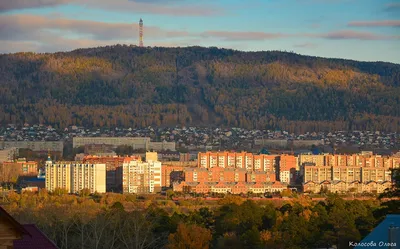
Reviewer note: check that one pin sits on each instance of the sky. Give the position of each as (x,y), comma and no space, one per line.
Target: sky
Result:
(366,30)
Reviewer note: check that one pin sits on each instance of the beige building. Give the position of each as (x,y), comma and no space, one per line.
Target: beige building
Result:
(317,173)
(162,146)
(141,177)
(239,160)
(304,143)
(58,175)
(75,176)
(318,160)
(135,142)
(8,154)
(88,176)
(343,187)
(151,156)
(272,143)
(37,146)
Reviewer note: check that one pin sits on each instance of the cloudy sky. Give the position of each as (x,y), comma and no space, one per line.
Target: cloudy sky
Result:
(366,30)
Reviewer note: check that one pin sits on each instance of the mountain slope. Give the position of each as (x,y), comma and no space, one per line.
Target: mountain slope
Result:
(132,86)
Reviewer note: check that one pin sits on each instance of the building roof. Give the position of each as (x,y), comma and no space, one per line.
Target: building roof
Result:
(35,240)
(9,218)
(381,235)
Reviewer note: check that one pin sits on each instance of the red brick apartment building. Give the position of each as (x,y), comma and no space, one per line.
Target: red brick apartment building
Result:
(234,172)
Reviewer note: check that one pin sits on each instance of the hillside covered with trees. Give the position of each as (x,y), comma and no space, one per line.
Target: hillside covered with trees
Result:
(128,86)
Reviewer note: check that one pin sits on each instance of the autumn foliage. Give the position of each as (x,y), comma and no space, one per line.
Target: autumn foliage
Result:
(189,237)
(127,86)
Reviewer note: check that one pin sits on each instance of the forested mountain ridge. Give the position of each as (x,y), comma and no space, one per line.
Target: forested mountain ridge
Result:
(131,86)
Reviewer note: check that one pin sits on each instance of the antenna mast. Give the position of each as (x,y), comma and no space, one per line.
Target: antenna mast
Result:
(141,33)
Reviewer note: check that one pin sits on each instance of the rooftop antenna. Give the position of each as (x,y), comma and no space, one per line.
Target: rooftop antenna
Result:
(141,33)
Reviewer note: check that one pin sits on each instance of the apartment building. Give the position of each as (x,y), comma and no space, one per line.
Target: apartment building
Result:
(88,176)
(343,187)
(318,160)
(75,176)
(135,142)
(287,168)
(228,187)
(22,167)
(356,173)
(141,177)
(37,146)
(162,146)
(346,174)
(58,175)
(239,160)
(113,169)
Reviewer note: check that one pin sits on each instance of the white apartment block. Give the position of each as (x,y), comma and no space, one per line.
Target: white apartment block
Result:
(75,176)
(141,177)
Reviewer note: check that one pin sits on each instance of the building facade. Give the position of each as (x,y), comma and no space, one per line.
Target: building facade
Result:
(136,143)
(364,172)
(37,146)
(88,176)
(22,167)
(58,176)
(75,176)
(141,177)
(113,169)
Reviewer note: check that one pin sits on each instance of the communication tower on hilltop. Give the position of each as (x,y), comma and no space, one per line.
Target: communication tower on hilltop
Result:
(141,33)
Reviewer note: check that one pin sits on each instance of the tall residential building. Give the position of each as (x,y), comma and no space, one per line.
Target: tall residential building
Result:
(88,176)
(287,168)
(141,177)
(58,175)
(75,176)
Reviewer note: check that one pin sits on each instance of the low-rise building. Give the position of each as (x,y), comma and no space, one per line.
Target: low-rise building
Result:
(20,167)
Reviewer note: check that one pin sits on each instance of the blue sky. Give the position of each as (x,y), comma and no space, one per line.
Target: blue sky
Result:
(367,30)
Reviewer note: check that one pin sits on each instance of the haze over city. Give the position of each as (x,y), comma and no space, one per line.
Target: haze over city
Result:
(366,30)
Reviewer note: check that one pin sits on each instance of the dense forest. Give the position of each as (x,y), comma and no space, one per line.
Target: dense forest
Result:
(129,86)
